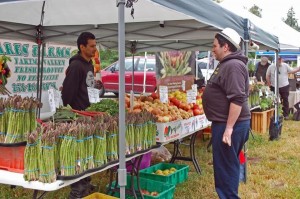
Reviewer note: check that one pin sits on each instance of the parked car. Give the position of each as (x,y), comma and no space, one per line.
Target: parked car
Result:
(134,72)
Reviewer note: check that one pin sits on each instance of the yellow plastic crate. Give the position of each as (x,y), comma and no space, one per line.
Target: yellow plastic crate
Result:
(99,196)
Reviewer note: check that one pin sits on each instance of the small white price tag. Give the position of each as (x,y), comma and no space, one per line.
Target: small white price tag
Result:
(191,96)
(57,98)
(183,85)
(51,99)
(93,95)
(163,94)
(195,88)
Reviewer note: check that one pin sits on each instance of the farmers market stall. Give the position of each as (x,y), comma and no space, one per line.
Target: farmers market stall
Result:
(50,31)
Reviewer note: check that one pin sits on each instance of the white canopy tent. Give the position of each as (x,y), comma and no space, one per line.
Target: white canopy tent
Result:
(287,36)
(157,25)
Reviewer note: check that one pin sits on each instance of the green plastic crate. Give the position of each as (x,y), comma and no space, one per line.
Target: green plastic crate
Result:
(165,191)
(179,176)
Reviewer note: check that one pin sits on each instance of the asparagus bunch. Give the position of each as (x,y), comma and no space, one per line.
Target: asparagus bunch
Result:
(46,157)
(16,121)
(89,146)
(100,139)
(100,157)
(21,118)
(80,146)
(130,120)
(68,151)
(139,131)
(112,139)
(31,162)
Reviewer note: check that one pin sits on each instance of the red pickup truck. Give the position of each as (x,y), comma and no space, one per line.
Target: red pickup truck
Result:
(134,73)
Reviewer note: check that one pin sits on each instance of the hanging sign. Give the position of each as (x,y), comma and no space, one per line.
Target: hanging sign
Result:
(93,95)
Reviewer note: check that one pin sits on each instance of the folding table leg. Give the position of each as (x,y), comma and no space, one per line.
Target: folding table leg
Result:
(35,194)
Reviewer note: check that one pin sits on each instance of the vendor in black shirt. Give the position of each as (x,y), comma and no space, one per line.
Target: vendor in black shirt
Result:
(261,69)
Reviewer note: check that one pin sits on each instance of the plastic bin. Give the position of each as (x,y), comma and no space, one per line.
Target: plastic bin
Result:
(99,196)
(12,158)
(145,163)
(179,176)
(165,191)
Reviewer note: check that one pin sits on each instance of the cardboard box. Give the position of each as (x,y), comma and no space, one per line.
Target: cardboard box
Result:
(168,131)
(188,126)
(200,122)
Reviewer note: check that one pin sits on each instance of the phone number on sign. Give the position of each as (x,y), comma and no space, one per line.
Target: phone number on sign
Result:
(31,87)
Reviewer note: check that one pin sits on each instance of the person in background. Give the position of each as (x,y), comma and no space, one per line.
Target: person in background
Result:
(225,103)
(283,82)
(80,73)
(80,76)
(261,69)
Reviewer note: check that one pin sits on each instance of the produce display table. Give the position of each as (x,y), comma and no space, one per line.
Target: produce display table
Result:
(16,179)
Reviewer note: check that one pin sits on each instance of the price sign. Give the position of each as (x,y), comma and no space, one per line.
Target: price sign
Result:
(163,94)
(51,99)
(57,98)
(191,96)
(195,88)
(93,95)
(183,85)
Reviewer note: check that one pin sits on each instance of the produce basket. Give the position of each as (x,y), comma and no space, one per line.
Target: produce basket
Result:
(99,196)
(12,157)
(163,191)
(178,176)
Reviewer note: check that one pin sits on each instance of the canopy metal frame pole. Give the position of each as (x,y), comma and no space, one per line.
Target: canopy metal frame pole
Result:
(276,114)
(121,46)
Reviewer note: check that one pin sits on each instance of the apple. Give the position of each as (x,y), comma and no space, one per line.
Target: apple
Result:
(154,95)
(196,106)
(197,112)
(177,103)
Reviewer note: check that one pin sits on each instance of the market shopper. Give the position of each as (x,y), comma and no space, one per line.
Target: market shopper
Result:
(225,103)
(80,73)
(261,69)
(79,76)
(283,82)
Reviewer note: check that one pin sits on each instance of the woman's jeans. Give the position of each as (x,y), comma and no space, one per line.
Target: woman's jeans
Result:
(226,158)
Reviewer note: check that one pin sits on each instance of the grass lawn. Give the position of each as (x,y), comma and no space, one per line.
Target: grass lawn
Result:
(273,171)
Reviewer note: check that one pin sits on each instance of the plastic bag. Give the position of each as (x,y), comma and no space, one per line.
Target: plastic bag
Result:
(160,154)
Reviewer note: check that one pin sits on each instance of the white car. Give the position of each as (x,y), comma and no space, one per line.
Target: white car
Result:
(206,68)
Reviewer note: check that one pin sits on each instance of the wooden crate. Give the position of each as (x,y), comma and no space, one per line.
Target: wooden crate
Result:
(260,121)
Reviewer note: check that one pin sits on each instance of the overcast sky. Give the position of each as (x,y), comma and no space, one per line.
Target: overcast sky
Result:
(275,8)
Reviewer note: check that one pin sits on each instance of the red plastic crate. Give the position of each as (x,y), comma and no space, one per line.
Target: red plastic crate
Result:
(12,158)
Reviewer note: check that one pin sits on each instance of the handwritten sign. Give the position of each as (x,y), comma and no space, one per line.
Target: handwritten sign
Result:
(191,96)
(163,94)
(93,95)
(51,100)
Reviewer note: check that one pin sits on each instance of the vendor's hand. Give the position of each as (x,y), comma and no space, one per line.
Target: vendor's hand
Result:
(227,136)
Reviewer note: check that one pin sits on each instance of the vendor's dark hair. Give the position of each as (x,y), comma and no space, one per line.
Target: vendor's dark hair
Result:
(222,40)
(83,39)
